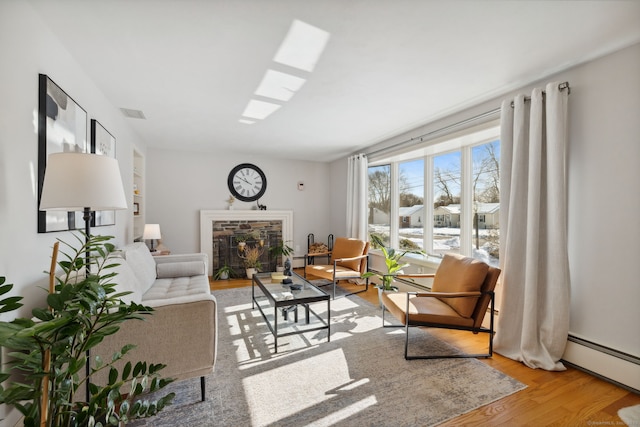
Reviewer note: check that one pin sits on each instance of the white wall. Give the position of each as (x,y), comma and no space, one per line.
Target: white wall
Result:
(604,195)
(28,49)
(180,184)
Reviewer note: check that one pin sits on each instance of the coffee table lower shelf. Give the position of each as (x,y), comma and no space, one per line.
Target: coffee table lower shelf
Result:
(286,307)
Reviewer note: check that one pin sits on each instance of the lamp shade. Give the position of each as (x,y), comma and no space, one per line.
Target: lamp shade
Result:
(74,181)
(151,231)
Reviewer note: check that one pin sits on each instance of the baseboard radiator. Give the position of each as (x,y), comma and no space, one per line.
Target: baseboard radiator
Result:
(609,364)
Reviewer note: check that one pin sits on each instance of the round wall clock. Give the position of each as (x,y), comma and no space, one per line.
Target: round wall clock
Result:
(247,182)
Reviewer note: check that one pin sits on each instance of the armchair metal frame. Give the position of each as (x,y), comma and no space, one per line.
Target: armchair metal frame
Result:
(337,272)
(441,314)
(410,323)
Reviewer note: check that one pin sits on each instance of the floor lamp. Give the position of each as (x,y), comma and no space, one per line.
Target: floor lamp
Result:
(82,182)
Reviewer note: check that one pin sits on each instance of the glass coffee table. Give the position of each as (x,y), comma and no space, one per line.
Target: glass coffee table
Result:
(270,294)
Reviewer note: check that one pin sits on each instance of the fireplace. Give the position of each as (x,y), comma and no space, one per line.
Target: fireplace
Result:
(219,231)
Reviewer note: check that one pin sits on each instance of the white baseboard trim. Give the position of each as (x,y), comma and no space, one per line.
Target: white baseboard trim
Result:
(609,364)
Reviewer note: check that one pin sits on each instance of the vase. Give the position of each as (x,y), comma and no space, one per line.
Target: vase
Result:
(250,272)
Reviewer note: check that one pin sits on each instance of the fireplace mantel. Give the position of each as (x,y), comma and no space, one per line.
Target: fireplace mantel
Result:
(208,217)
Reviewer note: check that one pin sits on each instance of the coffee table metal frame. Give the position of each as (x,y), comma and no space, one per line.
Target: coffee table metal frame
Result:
(290,304)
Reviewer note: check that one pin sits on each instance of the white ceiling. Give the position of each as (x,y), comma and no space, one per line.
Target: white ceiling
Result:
(389,66)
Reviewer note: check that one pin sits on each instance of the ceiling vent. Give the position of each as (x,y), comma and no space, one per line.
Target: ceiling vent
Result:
(133,114)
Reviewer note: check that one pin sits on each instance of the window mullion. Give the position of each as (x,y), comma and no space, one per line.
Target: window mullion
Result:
(466,202)
(428,205)
(394,227)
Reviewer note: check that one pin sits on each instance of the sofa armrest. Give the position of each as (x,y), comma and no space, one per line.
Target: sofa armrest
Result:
(182,336)
(189,262)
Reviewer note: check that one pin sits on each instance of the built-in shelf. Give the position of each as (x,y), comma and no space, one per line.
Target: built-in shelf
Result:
(137,193)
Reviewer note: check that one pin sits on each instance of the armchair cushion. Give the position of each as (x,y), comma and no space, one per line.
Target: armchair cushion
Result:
(457,273)
(348,248)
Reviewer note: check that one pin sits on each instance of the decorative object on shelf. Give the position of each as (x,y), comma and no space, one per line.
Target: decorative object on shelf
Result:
(62,128)
(151,232)
(82,182)
(102,143)
(136,208)
(82,310)
(247,182)
(230,201)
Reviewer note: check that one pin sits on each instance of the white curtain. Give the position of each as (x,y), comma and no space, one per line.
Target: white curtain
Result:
(533,323)
(357,197)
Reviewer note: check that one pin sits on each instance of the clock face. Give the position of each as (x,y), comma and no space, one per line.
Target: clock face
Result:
(247,182)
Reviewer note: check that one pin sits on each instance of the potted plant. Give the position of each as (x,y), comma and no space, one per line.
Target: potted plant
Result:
(393,262)
(50,349)
(241,241)
(252,262)
(224,272)
(281,250)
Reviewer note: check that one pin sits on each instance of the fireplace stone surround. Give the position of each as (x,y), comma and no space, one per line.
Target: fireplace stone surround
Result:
(218,229)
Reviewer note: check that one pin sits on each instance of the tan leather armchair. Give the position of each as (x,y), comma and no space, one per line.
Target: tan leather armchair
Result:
(349,260)
(462,290)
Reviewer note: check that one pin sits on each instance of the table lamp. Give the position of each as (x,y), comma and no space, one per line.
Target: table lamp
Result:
(151,232)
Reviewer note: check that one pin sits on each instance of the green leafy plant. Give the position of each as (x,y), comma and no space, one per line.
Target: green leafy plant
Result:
(282,249)
(51,348)
(224,272)
(393,262)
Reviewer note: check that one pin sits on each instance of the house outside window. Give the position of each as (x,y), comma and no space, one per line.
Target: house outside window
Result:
(445,196)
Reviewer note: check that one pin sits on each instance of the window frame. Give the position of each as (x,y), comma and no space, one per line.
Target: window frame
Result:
(463,141)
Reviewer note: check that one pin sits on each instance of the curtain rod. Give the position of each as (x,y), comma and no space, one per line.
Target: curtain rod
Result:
(561,86)
(420,138)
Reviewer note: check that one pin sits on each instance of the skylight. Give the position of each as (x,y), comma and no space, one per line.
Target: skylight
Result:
(259,109)
(302,46)
(301,49)
(280,86)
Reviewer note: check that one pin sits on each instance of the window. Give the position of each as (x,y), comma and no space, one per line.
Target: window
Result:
(441,197)
(380,201)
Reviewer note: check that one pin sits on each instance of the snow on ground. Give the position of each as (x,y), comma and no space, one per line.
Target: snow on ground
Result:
(445,240)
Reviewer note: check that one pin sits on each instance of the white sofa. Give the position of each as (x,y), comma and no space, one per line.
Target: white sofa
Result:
(182,331)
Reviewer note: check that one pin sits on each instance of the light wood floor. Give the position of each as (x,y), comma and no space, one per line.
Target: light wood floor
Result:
(568,398)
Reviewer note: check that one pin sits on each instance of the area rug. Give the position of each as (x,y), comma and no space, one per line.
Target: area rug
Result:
(630,415)
(359,378)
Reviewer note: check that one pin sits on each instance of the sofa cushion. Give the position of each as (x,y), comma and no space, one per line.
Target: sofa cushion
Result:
(177,290)
(180,269)
(125,280)
(141,262)
(460,274)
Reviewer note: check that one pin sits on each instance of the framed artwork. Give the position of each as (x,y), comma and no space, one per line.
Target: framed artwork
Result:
(136,208)
(103,143)
(62,127)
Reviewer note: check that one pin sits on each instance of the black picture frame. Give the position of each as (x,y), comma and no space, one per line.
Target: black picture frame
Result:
(104,144)
(62,127)
(136,208)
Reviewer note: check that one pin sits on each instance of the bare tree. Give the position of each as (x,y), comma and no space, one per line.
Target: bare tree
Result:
(380,189)
(486,180)
(444,180)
